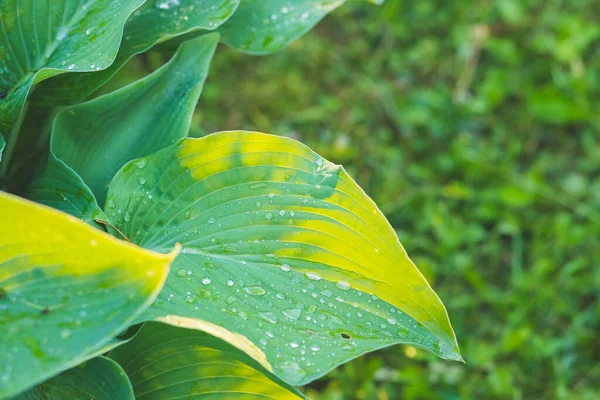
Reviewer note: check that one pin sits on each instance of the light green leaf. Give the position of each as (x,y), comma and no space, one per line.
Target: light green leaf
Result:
(152,23)
(165,362)
(2,144)
(59,187)
(99,378)
(40,39)
(265,26)
(98,137)
(66,289)
(281,250)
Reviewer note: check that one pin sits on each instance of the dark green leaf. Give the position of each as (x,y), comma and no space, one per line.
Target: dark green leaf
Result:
(99,379)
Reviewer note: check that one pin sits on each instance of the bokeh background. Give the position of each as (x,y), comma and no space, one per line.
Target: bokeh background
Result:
(475,125)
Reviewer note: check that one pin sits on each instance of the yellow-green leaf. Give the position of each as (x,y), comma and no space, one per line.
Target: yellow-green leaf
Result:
(166,362)
(66,289)
(281,248)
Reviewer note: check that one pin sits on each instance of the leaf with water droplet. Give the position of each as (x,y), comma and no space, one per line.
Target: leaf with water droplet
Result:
(48,39)
(98,286)
(154,22)
(315,273)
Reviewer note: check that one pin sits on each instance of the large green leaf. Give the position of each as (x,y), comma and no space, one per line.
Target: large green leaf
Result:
(152,23)
(99,378)
(59,187)
(281,249)
(66,289)
(165,362)
(43,38)
(265,26)
(97,138)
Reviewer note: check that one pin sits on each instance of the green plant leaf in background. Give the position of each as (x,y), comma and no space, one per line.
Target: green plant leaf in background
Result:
(152,23)
(282,251)
(265,26)
(166,362)
(99,378)
(97,138)
(40,39)
(66,289)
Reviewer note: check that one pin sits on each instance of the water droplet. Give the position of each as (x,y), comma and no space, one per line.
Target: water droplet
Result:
(258,185)
(127,217)
(181,273)
(166,4)
(343,285)
(255,290)
(230,283)
(65,334)
(285,268)
(268,216)
(326,293)
(269,317)
(292,371)
(142,180)
(269,334)
(282,213)
(212,220)
(141,163)
(294,345)
(312,276)
(206,281)
(271,195)
(392,321)
(293,313)
(70,67)
(319,161)
(315,347)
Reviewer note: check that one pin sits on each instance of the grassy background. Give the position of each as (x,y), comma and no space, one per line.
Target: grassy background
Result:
(475,126)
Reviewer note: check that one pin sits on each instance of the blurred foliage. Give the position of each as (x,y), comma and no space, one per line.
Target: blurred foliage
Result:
(476,127)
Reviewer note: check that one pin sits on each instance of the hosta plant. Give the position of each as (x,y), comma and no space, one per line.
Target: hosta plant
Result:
(137,262)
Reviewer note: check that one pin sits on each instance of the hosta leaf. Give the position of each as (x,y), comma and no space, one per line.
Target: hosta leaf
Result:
(59,187)
(40,39)
(99,378)
(98,137)
(152,23)
(165,362)
(66,289)
(281,249)
(265,26)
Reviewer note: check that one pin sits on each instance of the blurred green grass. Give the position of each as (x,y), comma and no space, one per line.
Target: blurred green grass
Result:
(475,126)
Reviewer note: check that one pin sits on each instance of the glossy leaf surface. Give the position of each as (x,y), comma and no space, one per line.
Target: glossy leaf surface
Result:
(265,26)
(281,249)
(59,187)
(152,23)
(99,378)
(2,144)
(98,137)
(66,289)
(166,362)
(43,38)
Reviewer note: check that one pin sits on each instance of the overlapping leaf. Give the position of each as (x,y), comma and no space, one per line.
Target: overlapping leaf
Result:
(281,249)
(99,378)
(165,362)
(152,23)
(40,39)
(91,141)
(66,289)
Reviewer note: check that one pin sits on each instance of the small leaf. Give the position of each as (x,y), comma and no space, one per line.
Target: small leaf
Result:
(66,289)
(165,362)
(59,187)
(152,23)
(265,26)
(2,144)
(43,39)
(281,249)
(99,378)
(98,137)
